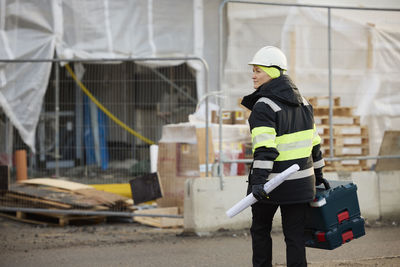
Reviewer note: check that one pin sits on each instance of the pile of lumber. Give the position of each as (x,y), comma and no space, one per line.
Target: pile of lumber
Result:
(160,222)
(59,194)
(350,138)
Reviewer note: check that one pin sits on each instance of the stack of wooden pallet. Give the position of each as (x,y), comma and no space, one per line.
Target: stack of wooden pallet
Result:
(59,195)
(350,138)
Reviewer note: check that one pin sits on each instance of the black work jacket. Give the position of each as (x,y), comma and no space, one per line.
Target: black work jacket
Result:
(278,104)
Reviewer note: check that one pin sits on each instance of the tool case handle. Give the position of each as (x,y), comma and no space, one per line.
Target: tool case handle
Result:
(326,184)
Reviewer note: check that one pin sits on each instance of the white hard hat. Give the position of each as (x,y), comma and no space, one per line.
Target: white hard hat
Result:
(270,56)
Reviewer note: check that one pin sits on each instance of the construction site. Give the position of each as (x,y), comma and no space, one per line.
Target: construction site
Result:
(124,141)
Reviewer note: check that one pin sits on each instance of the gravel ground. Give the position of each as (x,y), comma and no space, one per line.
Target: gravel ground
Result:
(132,244)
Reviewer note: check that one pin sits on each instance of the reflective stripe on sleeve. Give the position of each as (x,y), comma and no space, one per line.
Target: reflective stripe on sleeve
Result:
(297,175)
(270,103)
(263,164)
(319,164)
(263,136)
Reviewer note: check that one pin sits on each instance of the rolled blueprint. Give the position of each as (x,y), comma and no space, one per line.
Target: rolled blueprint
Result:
(268,187)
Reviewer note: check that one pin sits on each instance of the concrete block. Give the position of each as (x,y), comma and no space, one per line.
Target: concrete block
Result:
(206,204)
(368,194)
(389,184)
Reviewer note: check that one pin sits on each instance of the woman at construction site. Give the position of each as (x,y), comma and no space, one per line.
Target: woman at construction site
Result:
(283,133)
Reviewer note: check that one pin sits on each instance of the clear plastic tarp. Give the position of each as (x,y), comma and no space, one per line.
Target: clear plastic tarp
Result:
(86,29)
(365,57)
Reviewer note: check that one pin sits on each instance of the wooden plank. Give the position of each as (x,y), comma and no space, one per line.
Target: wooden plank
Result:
(342,168)
(14,217)
(339,145)
(323,101)
(160,222)
(390,146)
(344,130)
(23,200)
(337,120)
(345,152)
(337,111)
(67,185)
(47,193)
(51,218)
(101,197)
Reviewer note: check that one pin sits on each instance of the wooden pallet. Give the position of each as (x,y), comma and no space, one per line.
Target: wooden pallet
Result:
(346,141)
(347,168)
(349,137)
(338,120)
(337,111)
(343,130)
(323,101)
(346,165)
(52,219)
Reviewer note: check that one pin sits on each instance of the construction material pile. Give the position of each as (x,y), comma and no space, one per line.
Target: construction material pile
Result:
(57,194)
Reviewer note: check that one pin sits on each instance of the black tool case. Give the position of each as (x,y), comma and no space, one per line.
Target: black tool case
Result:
(334,217)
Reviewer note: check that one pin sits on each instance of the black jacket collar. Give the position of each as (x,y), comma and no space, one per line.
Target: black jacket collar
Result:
(281,89)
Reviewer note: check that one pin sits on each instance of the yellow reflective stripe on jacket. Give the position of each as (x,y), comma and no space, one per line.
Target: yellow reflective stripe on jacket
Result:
(295,145)
(295,137)
(263,136)
(290,146)
(316,138)
(294,154)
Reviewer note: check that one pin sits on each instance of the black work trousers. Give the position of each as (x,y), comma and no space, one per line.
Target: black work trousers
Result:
(293,220)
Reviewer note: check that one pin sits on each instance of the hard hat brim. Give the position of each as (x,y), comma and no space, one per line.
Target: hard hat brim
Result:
(255,63)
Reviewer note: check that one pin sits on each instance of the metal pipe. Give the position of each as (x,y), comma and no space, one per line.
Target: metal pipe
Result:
(327,159)
(363,157)
(330,84)
(207,126)
(87,212)
(57,119)
(101,60)
(220,74)
(308,5)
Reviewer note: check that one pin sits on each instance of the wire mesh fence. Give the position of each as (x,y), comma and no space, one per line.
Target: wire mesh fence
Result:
(341,60)
(97,122)
(99,150)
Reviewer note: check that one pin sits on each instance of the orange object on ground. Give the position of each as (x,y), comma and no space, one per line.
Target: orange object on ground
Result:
(21,165)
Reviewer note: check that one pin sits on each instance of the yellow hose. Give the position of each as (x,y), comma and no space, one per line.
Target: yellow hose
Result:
(106,111)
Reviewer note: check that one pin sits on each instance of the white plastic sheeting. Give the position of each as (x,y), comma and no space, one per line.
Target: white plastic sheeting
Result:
(26,31)
(87,29)
(365,57)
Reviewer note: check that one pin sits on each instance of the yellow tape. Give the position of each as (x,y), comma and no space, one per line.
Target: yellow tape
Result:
(106,111)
